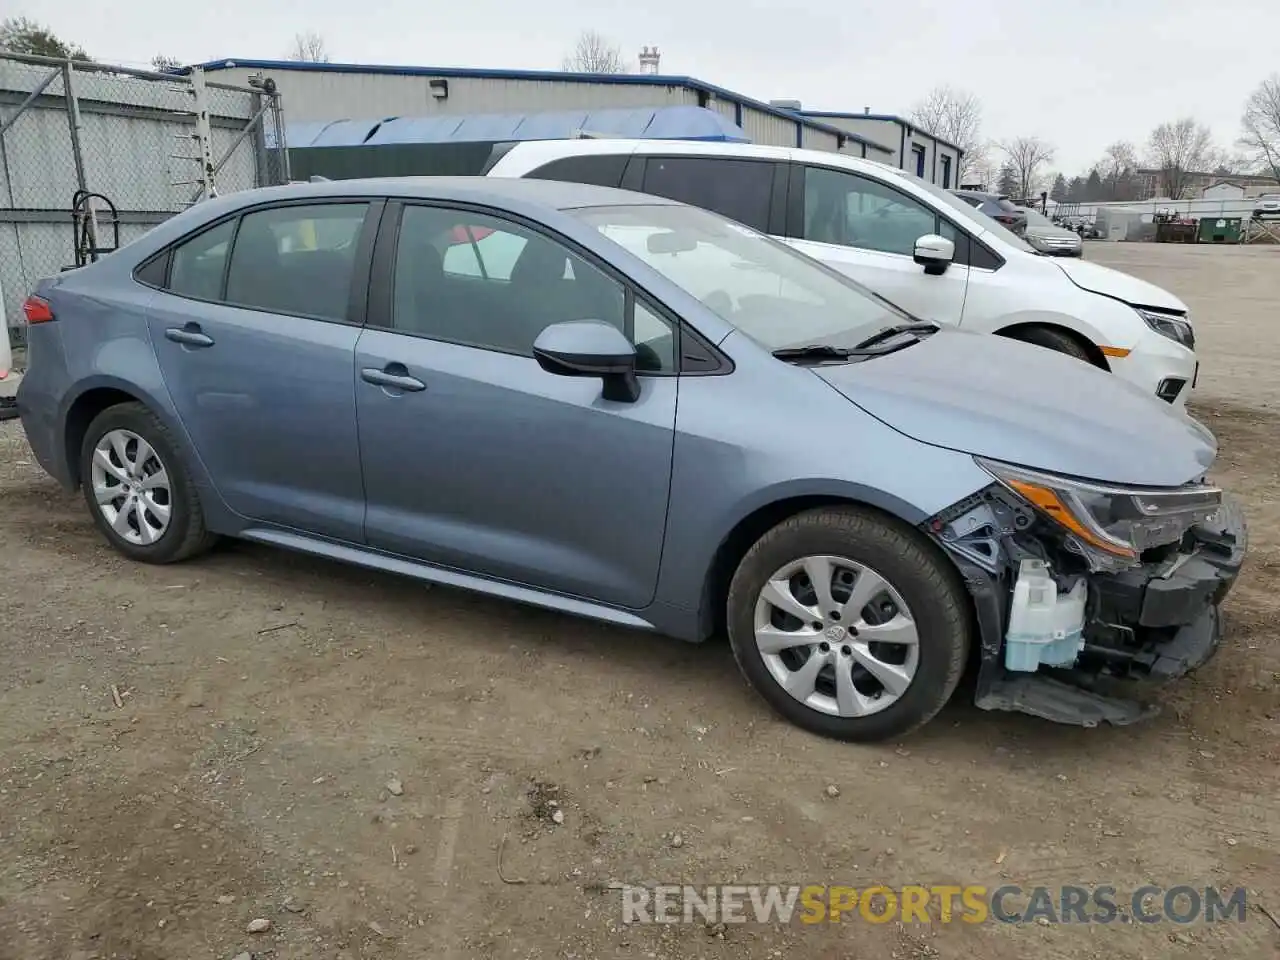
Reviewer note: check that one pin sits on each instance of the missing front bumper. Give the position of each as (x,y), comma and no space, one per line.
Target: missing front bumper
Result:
(1158,622)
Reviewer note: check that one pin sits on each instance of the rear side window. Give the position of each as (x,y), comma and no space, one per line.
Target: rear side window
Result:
(199,263)
(297,259)
(602,171)
(737,189)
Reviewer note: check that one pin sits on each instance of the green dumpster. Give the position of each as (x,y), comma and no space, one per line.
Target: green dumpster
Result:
(1220,229)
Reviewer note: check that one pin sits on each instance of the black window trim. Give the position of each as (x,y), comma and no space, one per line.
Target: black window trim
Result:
(770,210)
(382,279)
(621,155)
(355,309)
(795,214)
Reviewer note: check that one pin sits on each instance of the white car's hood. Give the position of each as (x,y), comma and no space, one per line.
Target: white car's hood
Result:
(1112,283)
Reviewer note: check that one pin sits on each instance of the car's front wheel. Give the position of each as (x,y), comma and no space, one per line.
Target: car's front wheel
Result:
(138,488)
(848,624)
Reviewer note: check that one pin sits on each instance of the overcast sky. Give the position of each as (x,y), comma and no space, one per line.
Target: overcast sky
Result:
(1080,73)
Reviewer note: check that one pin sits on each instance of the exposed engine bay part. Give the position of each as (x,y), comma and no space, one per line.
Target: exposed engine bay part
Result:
(1045,627)
(1158,620)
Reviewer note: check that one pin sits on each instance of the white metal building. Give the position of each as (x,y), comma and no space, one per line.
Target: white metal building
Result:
(331,91)
(928,157)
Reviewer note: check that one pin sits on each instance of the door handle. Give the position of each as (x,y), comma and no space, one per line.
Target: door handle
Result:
(389,378)
(189,335)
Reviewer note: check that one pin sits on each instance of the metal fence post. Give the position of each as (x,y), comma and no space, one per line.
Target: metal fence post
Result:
(282,146)
(77,154)
(204,135)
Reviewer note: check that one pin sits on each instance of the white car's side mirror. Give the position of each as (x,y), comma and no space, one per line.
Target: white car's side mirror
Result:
(934,253)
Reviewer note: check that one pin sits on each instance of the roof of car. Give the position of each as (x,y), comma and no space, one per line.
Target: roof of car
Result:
(556,194)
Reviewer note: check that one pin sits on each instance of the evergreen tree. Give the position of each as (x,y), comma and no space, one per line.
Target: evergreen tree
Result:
(1093,186)
(1007,182)
(1058,192)
(21,35)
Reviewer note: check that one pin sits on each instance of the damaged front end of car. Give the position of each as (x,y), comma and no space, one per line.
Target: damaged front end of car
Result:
(1079,585)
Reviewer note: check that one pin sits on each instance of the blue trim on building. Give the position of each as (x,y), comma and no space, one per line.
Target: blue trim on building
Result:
(840,115)
(703,88)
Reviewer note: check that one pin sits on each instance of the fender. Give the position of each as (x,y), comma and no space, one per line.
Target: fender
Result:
(151,391)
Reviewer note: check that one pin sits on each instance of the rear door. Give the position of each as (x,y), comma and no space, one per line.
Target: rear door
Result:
(255,331)
(867,229)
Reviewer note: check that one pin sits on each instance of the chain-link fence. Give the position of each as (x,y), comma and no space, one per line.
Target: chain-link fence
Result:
(94,155)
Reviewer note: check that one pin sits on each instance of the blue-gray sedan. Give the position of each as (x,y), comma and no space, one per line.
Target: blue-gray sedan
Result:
(629,409)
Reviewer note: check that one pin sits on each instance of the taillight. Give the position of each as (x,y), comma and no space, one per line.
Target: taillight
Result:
(37,309)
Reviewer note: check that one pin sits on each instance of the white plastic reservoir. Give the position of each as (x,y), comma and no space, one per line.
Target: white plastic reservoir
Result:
(1045,627)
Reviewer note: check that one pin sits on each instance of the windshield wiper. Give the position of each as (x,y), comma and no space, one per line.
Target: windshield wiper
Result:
(817,351)
(889,332)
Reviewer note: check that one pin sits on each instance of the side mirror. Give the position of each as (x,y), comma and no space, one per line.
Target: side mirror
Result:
(590,348)
(934,253)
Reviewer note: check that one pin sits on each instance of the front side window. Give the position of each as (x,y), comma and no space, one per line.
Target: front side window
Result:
(477,280)
(296,259)
(737,189)
(855,211)
(773,294)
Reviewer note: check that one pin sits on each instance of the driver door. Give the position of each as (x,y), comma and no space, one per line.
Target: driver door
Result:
(867,230)
(476,458)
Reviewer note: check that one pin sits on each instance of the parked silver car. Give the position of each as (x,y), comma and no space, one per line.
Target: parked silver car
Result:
(625,408)
(1047,237)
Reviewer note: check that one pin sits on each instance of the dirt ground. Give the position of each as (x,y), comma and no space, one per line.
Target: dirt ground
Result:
(186,749)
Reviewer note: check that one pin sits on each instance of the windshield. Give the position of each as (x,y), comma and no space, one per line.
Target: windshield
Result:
(958,208)
(777,297)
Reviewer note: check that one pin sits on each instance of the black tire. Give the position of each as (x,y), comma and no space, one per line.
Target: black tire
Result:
(929,586)
(1054,340)
(186,535)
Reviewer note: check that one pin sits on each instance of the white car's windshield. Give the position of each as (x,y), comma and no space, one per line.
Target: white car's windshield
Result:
(774,295)
(959,209)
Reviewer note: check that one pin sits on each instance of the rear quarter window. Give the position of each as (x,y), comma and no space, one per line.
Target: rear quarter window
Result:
(601,171)
(738,189)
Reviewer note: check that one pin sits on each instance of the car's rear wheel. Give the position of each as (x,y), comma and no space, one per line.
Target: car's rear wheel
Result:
(1052,340)
(848,624)
(138,489)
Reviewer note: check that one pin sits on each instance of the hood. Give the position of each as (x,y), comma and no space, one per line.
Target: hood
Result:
(1006,400)
(1112,283)
(1049,230)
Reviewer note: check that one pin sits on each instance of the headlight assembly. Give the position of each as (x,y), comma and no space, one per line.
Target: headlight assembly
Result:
(1110,524)
(1177,329)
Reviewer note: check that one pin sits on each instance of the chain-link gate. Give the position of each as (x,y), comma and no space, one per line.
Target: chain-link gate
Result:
(92,156)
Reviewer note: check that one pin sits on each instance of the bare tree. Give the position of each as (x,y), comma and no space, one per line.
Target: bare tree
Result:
(955,116)
(310,48)
(1261,126)
(1179,149)
(593,53)
(1027,156)
(163,64)
(1116,170)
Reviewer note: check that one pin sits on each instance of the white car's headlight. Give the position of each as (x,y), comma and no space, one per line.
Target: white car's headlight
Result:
(1177,329)
(1111,525)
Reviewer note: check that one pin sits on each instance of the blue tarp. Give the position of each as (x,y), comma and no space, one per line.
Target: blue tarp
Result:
(664,123)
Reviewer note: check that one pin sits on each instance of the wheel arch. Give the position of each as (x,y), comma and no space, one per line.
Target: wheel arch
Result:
(1095,354)
(763,516)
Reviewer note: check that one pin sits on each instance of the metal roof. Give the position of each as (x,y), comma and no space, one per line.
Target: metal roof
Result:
(632,79)
(838,115)
(654,123)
